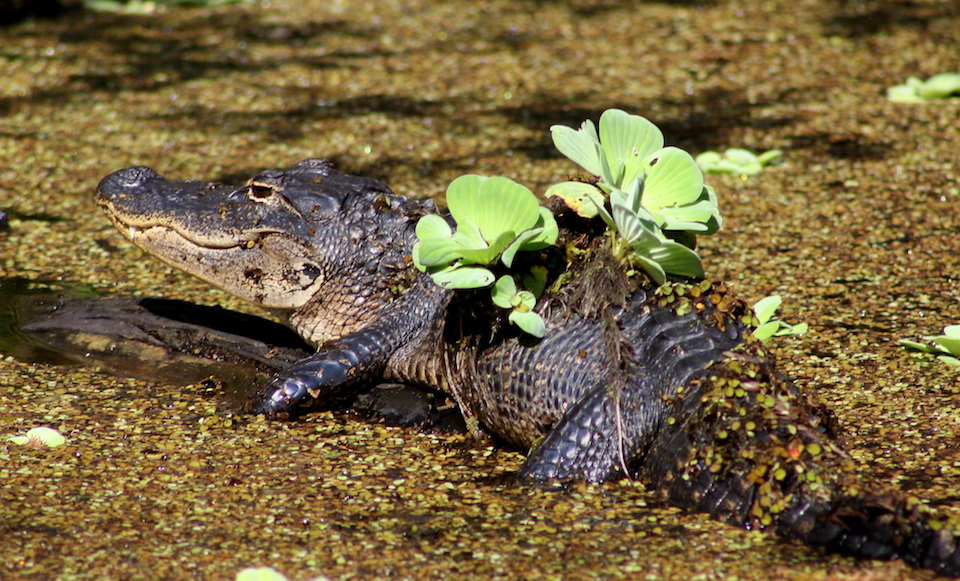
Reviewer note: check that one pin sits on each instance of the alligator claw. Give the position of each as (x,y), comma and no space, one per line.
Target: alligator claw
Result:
(315,377)
(274,400)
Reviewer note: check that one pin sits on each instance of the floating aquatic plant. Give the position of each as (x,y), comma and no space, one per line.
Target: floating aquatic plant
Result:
(946,347)
(736,161)
(657,199)
(651,197)
(768,326)
(267,574)
(506,294)
(915,90)
(40,438)
(495,219)
(151,6)
(260,574)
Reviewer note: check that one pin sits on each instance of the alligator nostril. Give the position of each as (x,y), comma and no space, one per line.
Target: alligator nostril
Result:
(136,175)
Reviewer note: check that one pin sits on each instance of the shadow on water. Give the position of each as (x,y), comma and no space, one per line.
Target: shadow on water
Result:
(180,343)
(19,299)
(708,117)
(158,55)
(148,338)
(860,19)
(155,54)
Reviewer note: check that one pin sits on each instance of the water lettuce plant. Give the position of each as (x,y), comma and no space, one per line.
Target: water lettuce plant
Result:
(658,201)
(768,326)
(39,438)
(267,574)
(915,90)
(508,295)
(495,219)
(946,347)
(736,161)
(652,198)
(151,6)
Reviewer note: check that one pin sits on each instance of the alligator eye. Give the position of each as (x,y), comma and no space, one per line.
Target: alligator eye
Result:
(258,192)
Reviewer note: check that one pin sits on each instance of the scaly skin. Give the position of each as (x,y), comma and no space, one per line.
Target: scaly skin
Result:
(664,384)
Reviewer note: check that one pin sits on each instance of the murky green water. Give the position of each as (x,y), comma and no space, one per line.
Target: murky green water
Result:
(857,230)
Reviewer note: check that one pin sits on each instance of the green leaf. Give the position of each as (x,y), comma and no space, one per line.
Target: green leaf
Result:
(433,226)
(677,259)
(736,161)
(530,322)
(909,92)
(652,268)
(741,157)
(468,235)
(635,231)
(439,249)
(915,346)
(939,86)
(634,173)
(787,329)
(952,331)
(260,574)
(708,160)
(503,291)
(524,301)
(580,197)
(624,136)
(949,360)
(544,235)
(673,179)
(40,437)
(949,344)
(662,218)
(488,254)
(700,216)
(767,157)
(435,252)
(944,346)
(581,146)
(716,220)
(766,307)
(766,330)
(463,277)
(495,205)
(904,94)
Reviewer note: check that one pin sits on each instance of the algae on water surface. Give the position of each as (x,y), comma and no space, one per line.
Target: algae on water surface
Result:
(857,230)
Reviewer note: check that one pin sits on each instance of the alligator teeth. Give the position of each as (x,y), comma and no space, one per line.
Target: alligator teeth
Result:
(132,231)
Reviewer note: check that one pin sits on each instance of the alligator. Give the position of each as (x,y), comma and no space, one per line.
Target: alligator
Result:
(663,383)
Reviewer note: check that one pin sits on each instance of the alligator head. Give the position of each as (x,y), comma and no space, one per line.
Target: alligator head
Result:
(286,239)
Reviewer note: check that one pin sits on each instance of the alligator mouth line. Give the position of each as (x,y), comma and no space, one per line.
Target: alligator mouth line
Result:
(142,232)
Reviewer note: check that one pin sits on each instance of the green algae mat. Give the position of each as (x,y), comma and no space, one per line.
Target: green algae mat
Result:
(857,228)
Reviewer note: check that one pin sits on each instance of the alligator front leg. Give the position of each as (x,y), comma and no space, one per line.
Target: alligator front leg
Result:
(353,360)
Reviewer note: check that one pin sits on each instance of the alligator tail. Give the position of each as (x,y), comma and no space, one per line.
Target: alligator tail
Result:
(751,450)
(875,527)
(866,526)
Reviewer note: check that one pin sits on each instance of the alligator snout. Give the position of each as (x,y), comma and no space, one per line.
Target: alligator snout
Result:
(124,181)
